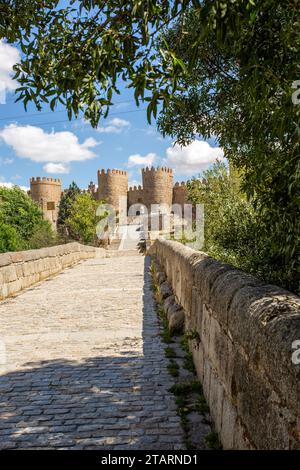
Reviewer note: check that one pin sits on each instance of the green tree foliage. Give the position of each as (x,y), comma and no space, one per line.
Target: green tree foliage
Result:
(17,17)
(75,52)
(19,211)
(83,220)
(65,208)
(217,67)
(240,90)
(9,239)
(22,224)
(44,236)
(233,229)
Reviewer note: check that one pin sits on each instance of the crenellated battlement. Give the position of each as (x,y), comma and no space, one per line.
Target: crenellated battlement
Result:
(136,188)
(110,172)
(44,180)
(157,169)
(180,185)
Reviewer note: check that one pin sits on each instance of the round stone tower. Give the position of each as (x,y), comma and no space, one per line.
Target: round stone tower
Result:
(113,185)
(46,192)
(157,186)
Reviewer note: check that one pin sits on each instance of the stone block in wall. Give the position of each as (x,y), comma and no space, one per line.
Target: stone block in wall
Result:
(27,270)
(183,275)
(3,291)
(265,321)
(260,407)
(28,281)
(221,353)
(206,376)
(205,274)
(229,423)
(31,255)
(240,438)
(176,320)
(165,290)
(9,274)
(224,287)
(17,256)
(215,399)
(19,271)
(168,303)
(14,287)
(198,357)
(47,252)
(205,329)
(5,259)
(194,317)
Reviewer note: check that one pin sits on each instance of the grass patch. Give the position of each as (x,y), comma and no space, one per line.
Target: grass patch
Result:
(212,441)
(193,335)
(188,444)
(186,388)
(180,401)
(170,353)
(166,337)
(201,405)
(189,363)
(184,344)
(173,368)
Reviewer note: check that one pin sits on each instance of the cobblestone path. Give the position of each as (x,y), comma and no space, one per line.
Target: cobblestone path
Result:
(85,366)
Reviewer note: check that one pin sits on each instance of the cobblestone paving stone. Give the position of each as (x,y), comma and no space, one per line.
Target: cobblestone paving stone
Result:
(85,366)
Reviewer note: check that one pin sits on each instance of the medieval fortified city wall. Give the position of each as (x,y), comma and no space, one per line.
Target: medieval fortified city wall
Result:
(158,188)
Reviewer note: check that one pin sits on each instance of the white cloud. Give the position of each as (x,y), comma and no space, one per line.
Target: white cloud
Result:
(114,126)
(9,56)
(61,168)
(9,184)
(193,158)
(139,160)
(6,161)
(39,146)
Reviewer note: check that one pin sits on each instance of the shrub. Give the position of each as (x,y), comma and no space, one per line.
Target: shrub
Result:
(19,211)
(22,224)
(9,239)
(43,236)
(83,219)
(235,232)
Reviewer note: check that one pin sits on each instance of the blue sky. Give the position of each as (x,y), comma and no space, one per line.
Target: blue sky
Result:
(45,143)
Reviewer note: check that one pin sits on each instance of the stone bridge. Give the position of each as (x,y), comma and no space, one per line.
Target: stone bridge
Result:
(83,365)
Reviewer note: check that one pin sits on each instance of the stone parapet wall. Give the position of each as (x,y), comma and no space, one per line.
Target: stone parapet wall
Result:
(19,270)
(243,333)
